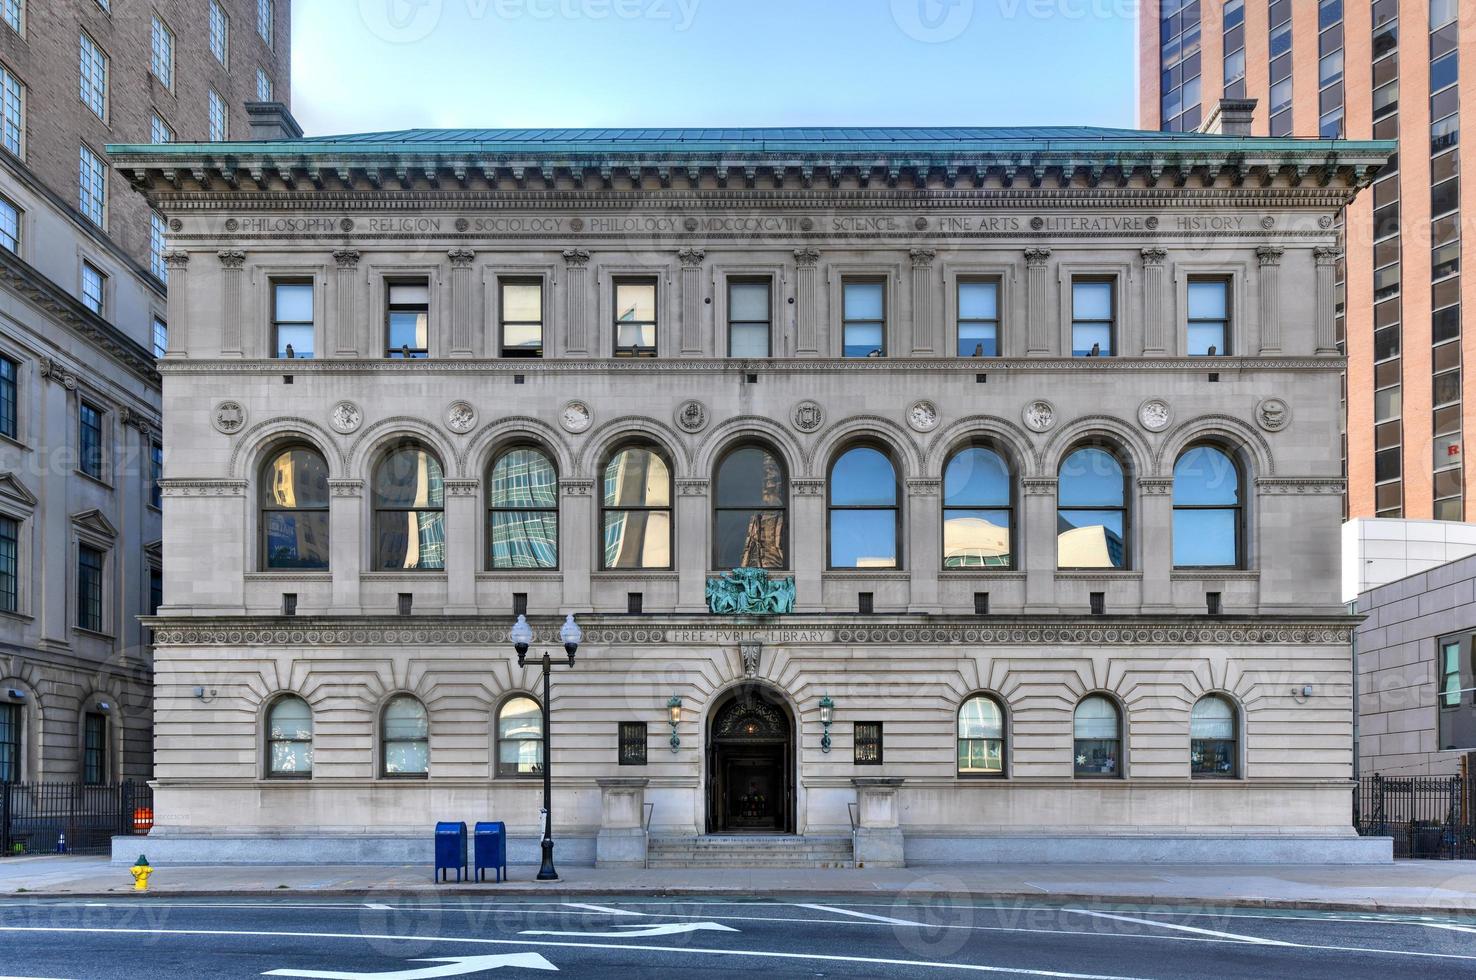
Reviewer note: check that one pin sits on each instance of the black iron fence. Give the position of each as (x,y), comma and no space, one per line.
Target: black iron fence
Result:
(1428,816)
(72,818)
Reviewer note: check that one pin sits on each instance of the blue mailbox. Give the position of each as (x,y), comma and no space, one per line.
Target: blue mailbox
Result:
(450,849)
(491,850)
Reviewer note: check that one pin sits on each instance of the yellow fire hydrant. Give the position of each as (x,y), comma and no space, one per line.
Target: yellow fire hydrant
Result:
(141,872)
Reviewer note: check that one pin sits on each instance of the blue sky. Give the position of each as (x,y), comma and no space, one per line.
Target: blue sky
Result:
(389,64)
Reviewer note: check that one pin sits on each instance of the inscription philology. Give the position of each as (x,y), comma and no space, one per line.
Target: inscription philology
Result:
(748,224)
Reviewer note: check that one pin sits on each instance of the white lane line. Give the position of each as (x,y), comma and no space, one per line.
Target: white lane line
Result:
(684,950)
(599,908)
(377,906)
(861,915)
(1442,925)
(1175,926)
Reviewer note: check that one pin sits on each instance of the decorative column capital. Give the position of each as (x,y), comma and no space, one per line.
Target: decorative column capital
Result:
(1270,255)
(176,258)
(1327,254)
(461,488)
(231,258)
(923,488)
(807,488)
(461,258)
(577,488)
(1156,486)
(922,258)
(576,256)
(1038,486)
(1153,257)
(691,256)
(347,258)
(1036,258)
(806,257)
(52,371)
(691,488)
(346,488)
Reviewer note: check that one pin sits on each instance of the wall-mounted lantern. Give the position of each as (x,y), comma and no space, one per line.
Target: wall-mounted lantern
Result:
(674,718)
(827,715)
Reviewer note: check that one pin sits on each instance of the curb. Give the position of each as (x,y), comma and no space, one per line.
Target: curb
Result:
(522,890)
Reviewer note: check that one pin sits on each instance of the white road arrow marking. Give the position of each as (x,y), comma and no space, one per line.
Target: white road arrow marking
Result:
(634,931)
(600,908)
(454,966)
(863,915)
(1237,937)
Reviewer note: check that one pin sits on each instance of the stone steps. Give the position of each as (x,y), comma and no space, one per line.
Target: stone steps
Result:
(755,851)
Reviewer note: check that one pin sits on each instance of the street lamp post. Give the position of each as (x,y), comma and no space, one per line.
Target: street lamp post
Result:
(522,636)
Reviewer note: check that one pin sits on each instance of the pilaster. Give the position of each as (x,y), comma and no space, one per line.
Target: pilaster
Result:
(463,317)
(1155,300)
(345,327)
(691,328)
(576,301)
(1035,527)
(345,518)
(1154,540)
(1038,300)
(809,563)
(1270,290)
(462,560)
(577,542)
(692,545)
(231,263)
(178,263)
(807,302)
(924,545)
(1327,258)
(923,341)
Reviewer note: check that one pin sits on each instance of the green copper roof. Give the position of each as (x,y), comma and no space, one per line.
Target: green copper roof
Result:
(797,140)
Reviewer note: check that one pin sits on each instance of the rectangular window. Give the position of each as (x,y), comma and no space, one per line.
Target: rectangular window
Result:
(12,112)
(159,131)
(292,319)
(90,588)
(1456,696)
(92,192)
(9,226)
(11,10)
(93,285)
(749,318)
(94,73)
(1209,317)
(632,743)
(978,319)
(156,473)
(868,743)
(1093,306)
(94,748)
(90,440)
(263,86)
(264,20)
(160,336)
(407,325)
(220,28)
(10,743)
(9,564)
(863,312)
(161,61)
(156,248)
(520,305)
(156,590)
(9,398)
(217,111)
(635,318)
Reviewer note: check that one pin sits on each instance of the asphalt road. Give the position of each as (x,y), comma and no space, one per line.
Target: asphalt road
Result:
(929,932)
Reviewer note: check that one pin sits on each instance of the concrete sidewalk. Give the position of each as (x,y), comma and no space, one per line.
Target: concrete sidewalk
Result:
(1404,886)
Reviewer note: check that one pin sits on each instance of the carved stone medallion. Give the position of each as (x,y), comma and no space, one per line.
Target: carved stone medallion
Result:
(576,417)
(1039,415)
(691,416)
(1273,414)
(460,417)
(923,416)
(1155,415)
(345,417)
(807,416)
(229,417)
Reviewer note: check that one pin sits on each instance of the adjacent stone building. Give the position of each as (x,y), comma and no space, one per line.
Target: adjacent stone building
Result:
(1032,432)
(82,319)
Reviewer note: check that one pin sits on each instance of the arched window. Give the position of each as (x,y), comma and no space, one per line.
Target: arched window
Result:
(1207,510)
(1212,743)
(978,510)
(864,515)
(750,515)
(294,510)
(523,511)
(409,510)
(12,720)
(519,737)
(981,737)
(289,747)
(1098,737)
(404,742)
(1091,510)
(636,514)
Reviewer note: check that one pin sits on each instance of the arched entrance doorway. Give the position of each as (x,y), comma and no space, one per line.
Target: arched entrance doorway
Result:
(750,763)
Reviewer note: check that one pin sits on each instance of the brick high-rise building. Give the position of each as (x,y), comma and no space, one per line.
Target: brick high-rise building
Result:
(1357,69)
(83,272)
